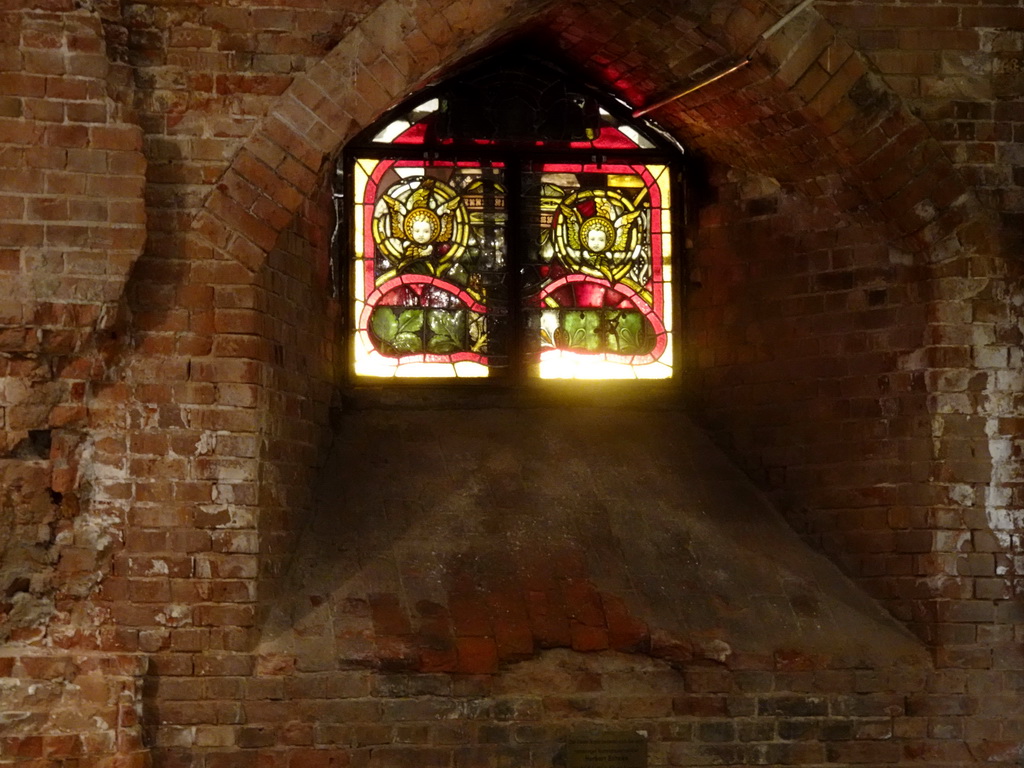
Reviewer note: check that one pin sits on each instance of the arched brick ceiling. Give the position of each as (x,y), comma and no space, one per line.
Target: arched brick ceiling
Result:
(808,110)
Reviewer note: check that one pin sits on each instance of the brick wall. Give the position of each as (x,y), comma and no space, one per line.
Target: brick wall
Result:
(302,329)
(168,351)
(73,222)
(802,322)
(758,712)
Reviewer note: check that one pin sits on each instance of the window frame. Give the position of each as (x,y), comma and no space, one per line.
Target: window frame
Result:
(514,160)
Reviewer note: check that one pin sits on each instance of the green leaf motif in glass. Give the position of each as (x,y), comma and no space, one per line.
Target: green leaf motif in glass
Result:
(449,331)
(398,334)
(580,328)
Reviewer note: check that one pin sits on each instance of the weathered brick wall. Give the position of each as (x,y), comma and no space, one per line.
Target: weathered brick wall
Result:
(222,454)
(72,212)
(759,711)
(301,325)
(806,324)
(934,522)
(958,67)
(163,404)
(68,706)
(813,373)
(72,222)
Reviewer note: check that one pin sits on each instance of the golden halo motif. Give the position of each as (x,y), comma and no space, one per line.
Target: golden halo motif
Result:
(422,214)
(415,199)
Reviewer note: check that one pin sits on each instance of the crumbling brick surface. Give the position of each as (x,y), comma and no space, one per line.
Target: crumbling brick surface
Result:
(169,351)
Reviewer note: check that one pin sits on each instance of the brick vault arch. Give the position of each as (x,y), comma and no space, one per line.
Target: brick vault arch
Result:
(202,435)
(808,112)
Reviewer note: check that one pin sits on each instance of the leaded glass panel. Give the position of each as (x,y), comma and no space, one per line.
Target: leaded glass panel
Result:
(512,224)
(429,268)
(596,299)
(432,121)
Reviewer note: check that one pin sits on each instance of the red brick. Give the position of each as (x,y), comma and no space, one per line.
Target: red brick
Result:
(700,706)
(1000,18)
(22,746)
(389,617)
(588,638)
(514,639)
(583,602)
(625,632)
(225,615)
(61,746)
(548,619)
(477,655)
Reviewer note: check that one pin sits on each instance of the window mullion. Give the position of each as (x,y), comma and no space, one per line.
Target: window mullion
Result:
(516,258)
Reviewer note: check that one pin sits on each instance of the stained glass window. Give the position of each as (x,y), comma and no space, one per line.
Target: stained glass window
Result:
(430,269)
(596,298)
(524,234)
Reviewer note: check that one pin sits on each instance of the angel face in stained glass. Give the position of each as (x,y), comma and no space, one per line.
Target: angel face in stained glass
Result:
(601,233)
(420,226)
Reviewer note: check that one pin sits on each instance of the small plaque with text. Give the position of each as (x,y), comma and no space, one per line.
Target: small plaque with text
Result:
(612,750)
